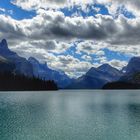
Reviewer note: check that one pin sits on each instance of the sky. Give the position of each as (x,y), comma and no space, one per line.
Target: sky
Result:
(72,35)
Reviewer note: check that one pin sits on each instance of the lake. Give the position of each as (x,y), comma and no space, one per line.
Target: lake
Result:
(70,115)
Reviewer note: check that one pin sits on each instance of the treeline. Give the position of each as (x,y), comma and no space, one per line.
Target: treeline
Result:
(121,85)
(12,82)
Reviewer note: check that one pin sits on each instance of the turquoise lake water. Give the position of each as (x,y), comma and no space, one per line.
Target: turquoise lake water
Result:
(70,115)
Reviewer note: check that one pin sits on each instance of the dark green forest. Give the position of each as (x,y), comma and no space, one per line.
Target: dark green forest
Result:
(12,82)
(121,85)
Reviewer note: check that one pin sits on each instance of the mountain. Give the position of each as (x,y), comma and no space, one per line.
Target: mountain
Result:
(44,72)
(95,78)
(130,78)
(131,69)
(133,65)
(6,66)
(10,61)
(22,66)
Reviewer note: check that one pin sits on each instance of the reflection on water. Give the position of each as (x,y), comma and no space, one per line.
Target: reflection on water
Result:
(70,115)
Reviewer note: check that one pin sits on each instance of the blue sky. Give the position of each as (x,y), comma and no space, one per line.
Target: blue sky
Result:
(17,12)
(110,24)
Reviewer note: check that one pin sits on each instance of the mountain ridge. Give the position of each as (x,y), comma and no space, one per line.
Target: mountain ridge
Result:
(95,78)
(31,67)
(43,71)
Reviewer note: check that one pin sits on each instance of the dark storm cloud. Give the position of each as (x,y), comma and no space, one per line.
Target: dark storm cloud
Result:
(50,25)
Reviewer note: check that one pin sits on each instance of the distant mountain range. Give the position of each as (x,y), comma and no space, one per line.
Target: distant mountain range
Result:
(10,61)
(44,72)
(95,78)
(130,78)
